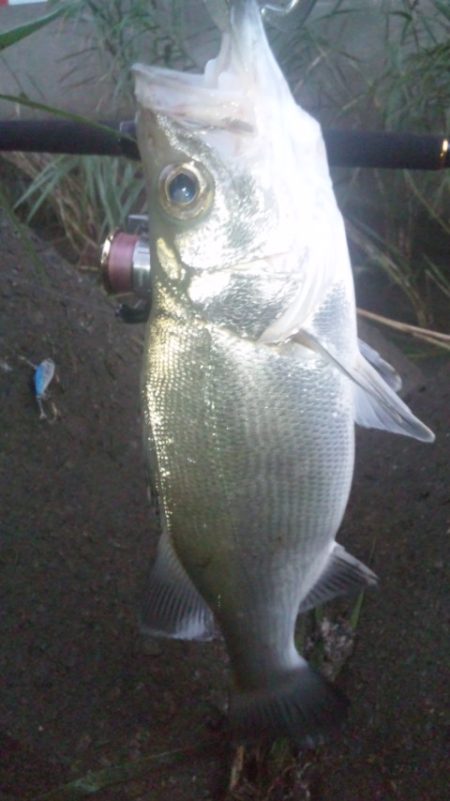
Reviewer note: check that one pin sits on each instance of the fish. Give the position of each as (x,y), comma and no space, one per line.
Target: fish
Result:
(253,376)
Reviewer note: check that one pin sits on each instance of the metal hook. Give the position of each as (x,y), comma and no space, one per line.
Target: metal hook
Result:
(275,12)
(277,9)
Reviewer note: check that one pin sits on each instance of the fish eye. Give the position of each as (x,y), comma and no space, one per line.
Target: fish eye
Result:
(185,190)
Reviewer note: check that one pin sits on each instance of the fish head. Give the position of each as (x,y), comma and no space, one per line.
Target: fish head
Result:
(236,175)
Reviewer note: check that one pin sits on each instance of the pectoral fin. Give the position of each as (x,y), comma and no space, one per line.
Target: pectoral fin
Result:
(382,367)
(376,405)
(343,575)
(172,607)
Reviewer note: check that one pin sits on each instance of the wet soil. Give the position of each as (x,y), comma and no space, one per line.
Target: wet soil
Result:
(79,690)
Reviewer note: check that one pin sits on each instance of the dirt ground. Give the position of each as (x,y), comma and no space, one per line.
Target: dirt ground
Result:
(79,690)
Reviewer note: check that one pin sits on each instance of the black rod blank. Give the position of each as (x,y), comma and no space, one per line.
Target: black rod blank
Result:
(386,149)
(68,137)
(344,148)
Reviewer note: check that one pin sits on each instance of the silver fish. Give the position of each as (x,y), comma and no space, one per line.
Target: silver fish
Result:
(253,378)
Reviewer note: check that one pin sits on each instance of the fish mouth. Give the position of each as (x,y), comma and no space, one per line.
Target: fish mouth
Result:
(223,96)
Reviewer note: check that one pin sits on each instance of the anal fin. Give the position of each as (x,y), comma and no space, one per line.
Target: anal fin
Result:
(343,575)
(171,606)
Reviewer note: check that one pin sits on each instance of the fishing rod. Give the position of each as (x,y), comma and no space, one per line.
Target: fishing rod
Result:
(372,149)
(125,257)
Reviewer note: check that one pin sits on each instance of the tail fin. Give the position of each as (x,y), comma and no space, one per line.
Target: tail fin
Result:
(303,707)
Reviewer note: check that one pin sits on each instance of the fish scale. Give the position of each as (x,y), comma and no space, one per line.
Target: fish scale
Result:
(252,377)
(251,441)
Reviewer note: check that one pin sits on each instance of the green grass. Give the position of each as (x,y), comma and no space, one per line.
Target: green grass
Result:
(89,195)
(19,32)
(401,84)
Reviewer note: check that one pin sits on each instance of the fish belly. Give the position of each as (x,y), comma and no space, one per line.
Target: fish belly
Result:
(252,455)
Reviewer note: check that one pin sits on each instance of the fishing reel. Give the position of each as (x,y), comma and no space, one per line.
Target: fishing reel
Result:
(125,266)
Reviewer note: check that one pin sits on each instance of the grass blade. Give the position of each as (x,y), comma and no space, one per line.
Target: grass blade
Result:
(96,781)
(14,35)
